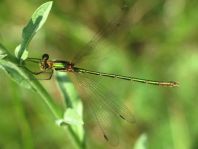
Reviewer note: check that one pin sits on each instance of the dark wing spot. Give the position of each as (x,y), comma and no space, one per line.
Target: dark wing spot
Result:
(106,138)
(122,117)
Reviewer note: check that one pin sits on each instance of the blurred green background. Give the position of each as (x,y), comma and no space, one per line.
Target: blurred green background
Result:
(156,40)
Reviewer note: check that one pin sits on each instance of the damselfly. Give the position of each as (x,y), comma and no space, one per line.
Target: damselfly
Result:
(101,99)
(48,66)
(92,90)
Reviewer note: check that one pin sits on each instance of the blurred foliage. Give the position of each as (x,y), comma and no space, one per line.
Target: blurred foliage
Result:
(156,40)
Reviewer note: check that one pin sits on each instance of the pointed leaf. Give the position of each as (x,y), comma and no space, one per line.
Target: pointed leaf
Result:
(37,20)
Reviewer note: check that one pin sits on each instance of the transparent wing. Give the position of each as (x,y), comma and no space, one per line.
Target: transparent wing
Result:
(107,98)
(107,30)
(103,106)
(101,113)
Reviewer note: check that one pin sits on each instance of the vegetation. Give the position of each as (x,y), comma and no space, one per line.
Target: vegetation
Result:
(154,40)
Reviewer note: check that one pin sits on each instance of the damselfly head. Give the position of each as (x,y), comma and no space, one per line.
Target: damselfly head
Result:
(45,57)
(45,63)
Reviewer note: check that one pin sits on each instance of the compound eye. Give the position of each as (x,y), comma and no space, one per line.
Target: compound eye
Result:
(45,57)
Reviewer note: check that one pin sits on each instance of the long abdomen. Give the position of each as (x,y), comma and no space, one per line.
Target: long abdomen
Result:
(161,83)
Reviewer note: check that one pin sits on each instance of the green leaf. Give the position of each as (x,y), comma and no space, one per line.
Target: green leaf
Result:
(73,116)
(141,143)
(37,20)
(9,64)
(2,52)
